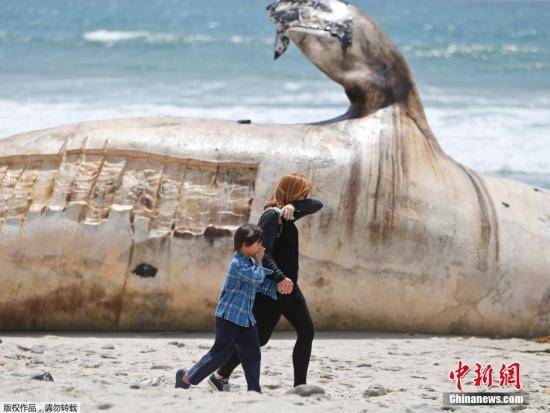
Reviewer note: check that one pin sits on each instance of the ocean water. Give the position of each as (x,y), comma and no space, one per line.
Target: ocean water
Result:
(482,68)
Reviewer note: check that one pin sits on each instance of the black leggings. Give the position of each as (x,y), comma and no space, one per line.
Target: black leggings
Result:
(267,313)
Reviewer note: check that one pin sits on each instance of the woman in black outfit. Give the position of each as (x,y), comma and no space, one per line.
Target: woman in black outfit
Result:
(280,239)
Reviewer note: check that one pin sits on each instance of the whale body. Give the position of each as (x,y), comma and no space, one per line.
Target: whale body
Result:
(128,224)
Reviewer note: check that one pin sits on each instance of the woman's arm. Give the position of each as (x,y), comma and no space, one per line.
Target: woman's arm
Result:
(268,223)
(306,207)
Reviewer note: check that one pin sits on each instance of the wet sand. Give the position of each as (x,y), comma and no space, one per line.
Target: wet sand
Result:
(135,372)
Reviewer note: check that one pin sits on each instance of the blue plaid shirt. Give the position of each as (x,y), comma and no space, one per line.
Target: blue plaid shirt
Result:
(243,280)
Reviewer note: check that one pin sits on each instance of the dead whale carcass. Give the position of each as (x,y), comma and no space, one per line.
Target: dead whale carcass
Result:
(408,240)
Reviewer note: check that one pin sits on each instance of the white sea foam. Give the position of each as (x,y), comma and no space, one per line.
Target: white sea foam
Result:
(112,37)
(240,39)
(475,50)
(495,138)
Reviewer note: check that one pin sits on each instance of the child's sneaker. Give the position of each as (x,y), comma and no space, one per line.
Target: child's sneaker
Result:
(218,384)
(180,384)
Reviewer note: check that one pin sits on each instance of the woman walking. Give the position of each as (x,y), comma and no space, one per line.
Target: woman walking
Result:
(288,204)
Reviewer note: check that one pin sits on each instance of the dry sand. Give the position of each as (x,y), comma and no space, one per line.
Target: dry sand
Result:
(414,369)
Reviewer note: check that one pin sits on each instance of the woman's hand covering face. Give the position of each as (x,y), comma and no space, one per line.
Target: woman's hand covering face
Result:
(287,212)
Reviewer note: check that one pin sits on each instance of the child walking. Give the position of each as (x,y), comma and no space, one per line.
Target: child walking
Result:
(235,322)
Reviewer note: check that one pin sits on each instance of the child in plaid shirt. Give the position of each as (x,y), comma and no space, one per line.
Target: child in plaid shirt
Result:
(235,323)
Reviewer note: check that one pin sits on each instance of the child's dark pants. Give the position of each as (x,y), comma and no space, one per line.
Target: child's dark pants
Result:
(267,313)
(228,337)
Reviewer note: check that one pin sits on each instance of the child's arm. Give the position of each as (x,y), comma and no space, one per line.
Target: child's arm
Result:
(254,273)
(269,288)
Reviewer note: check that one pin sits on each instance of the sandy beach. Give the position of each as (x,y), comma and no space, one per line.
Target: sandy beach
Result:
(135,372)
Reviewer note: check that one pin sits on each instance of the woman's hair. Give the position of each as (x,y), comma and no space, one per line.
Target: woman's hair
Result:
(247,234)
(291,188)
